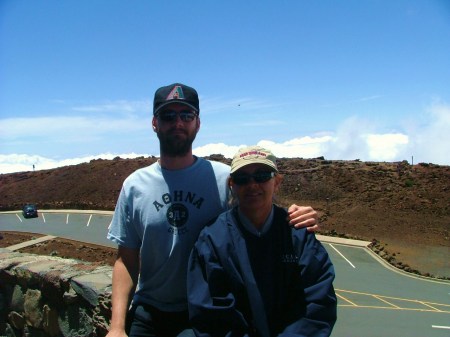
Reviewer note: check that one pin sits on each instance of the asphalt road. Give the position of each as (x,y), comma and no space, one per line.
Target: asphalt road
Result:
(374,299)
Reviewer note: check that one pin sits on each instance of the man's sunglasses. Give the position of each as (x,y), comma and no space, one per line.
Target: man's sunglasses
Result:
(258,177)
(171,115)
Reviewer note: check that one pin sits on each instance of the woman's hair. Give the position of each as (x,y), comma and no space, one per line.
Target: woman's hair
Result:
(233,201)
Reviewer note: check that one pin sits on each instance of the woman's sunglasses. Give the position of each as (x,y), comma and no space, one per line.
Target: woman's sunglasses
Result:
(171,115)
(258,177)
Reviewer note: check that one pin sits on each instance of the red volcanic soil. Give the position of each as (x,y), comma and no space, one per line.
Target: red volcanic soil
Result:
(403,209)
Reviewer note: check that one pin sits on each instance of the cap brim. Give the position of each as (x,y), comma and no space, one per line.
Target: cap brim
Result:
(267,163)
(175,101)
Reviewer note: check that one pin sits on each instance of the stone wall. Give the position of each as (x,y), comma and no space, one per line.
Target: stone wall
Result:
(44,296)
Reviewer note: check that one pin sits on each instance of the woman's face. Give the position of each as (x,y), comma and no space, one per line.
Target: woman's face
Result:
(254,195)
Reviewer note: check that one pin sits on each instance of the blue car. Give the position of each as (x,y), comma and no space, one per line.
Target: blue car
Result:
(30,211)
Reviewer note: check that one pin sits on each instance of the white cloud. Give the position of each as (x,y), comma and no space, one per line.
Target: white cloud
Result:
(354,138)
(386,147)
(356,100)
(430,142)
(349,140)
(369,147)
(304,147)
(216,148)
(263,123)
(368,98)
(22,162)
(117,106)
(218,105)
(357,138)
(63,127)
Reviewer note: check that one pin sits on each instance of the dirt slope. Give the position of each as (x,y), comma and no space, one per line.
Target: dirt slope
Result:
(404,209)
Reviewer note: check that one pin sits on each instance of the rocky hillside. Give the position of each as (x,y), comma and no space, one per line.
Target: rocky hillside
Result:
(403,208)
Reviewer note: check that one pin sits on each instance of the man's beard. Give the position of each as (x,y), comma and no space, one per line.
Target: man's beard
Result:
(174,145)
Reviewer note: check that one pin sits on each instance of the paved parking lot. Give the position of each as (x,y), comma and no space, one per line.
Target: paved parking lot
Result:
(374,299)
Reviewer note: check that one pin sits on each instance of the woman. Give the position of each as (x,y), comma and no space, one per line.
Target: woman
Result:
(252,275)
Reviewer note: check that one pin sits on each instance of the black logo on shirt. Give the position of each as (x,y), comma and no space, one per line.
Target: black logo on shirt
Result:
(177,215)
(178,196)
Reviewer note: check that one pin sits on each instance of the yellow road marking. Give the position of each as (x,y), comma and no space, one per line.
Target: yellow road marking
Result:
(346,299)
(429,306)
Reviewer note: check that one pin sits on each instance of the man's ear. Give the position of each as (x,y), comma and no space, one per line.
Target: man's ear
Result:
(198,124)
(154,124)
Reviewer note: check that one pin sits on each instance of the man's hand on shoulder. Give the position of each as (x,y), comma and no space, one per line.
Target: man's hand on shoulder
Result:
(303,216)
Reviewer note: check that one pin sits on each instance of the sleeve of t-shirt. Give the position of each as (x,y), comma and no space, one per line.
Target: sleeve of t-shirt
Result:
(122,230)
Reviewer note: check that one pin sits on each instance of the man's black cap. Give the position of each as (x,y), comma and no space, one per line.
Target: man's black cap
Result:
(176,93)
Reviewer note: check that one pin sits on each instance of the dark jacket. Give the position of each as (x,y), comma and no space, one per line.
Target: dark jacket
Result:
(227,276)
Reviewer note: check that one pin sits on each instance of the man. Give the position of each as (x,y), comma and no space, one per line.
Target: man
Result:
(159,214)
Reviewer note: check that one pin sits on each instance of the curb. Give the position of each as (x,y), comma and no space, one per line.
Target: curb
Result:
(30,242)
(74,211)
(343,241)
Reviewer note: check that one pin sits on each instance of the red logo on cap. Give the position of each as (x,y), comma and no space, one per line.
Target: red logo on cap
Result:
(253,153)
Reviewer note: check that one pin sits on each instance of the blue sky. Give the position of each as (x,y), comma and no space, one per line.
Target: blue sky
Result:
(365,80)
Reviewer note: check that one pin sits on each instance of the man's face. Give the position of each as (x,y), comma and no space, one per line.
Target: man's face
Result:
(176,126)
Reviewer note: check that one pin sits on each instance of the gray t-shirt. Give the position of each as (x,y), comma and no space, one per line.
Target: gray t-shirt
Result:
(161,212)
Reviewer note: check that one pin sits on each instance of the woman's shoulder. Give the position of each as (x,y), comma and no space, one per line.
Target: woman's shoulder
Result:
(219,223)
(217,229)
(280,211)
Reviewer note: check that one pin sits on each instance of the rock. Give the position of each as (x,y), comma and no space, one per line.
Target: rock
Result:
(17,300)
(50,321)
(9,331)
(32,308)
(75,321)
(16,320)
(70,296)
